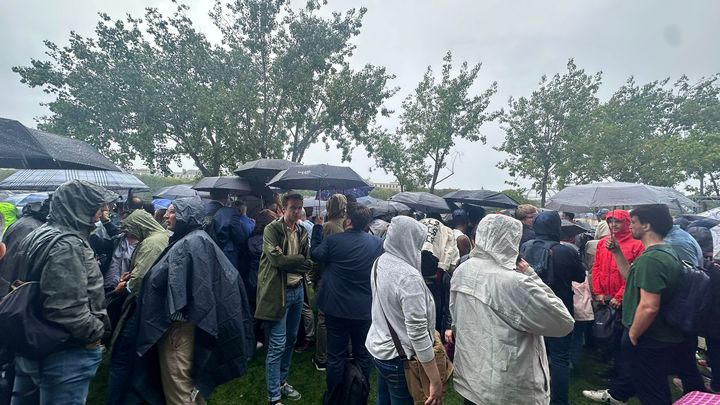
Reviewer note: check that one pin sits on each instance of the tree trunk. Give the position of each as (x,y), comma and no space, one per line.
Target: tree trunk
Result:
(715,185)
(701,176)
(543,188)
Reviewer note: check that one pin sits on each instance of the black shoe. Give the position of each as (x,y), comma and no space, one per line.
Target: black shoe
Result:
(318,365)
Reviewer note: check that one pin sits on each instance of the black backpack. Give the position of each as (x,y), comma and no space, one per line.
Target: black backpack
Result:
(354,389)
(538,254)
(690,298)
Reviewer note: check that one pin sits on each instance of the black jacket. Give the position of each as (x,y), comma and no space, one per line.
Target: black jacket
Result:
(567,265)
(194,277)
(527,234)
(348,257)
(14,234)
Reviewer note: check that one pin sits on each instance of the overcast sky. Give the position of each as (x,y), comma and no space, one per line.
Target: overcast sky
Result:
(516,41)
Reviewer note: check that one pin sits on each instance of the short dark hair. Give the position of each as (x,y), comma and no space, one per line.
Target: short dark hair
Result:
(135,203)
(360,216)
(291,195)
(657,215)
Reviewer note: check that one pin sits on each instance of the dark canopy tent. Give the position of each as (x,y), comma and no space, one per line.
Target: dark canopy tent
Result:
(26,148)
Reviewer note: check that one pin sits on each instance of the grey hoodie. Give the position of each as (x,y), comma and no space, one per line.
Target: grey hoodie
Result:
(401,296)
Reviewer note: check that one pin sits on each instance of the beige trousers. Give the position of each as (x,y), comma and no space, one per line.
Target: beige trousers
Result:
(175,350)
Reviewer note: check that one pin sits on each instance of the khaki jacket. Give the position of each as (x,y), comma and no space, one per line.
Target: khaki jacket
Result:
(274,266)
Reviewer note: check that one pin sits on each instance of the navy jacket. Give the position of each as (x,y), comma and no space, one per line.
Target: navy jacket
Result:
(567,264)
(344,290)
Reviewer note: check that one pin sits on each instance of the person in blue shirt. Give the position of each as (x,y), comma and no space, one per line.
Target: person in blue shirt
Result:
(685,246)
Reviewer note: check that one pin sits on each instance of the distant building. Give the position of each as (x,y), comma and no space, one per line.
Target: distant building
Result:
(143,171)
(394,186)
(187,174)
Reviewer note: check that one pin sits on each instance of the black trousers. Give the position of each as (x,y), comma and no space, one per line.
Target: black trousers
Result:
(686,366)
(643,370)
(339,332)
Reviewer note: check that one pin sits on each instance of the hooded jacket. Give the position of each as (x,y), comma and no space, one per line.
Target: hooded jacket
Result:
(8,211)
(567,265)
(70,279)
(500,317)
(606,277)
(152,241)
(400,296)
(194,277)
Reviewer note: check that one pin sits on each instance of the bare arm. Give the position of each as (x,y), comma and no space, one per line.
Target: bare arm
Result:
(436,392)
(645,314)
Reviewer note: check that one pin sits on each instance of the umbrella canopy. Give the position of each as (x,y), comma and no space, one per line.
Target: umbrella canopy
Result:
(484,198)
(382,208)
(422,201)
(234,184)
(173,192)
(317,177)
(587,197)
(713,213)
(49,180)
(264,169)
(572,229)
(27,148)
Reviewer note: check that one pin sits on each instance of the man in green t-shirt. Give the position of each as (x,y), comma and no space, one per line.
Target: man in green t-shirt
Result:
(649,342)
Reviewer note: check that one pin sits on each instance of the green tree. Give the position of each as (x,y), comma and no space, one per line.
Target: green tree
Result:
(541,131)
(633,137)
(698,116)
(433,118)
(157,89)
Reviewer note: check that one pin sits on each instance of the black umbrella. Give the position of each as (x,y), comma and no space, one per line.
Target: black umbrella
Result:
(485,198)
(174,192)
(27,148)
(233,184)
(264,169)
(317,177)
(49,180)
(571,229)
(383,208)
(422,201)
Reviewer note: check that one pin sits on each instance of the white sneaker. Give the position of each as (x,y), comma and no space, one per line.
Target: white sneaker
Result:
(602,396)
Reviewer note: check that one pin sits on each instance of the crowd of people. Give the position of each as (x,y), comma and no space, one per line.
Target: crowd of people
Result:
(182,299)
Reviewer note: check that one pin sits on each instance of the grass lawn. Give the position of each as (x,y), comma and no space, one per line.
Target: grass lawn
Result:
(250,389)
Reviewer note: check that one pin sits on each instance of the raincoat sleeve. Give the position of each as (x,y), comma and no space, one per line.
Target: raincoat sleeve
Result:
(598,273)
(543,313)
(64,285)
(277,258)
(413,304)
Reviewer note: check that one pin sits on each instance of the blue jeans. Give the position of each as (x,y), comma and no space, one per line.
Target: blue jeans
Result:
(392,387)
(61,378)
(282,335)
(578,341)
(558,351)
(122,360)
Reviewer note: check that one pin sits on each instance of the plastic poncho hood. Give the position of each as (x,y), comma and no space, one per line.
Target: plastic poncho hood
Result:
(140,224)
(190,211)
(75,203)
(548,225)
(405,237)
(498,237)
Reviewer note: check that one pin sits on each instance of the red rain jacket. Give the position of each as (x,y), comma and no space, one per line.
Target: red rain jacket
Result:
(606,278)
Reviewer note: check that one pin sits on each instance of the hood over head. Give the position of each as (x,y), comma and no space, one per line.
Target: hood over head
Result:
(498,237)
(404,239)
(140,224)
(75,203)
(548,225)
(336,207)
(624,217)
(189,211)
(704,238)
